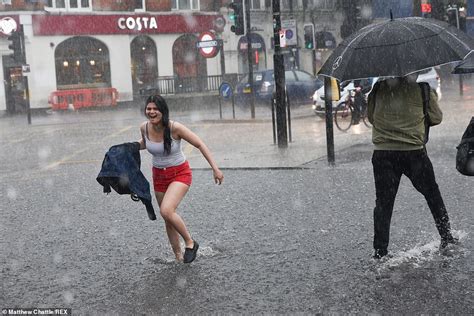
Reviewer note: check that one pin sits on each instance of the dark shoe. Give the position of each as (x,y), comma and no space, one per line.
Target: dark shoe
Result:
(445,242)
(380,253)
(190,253)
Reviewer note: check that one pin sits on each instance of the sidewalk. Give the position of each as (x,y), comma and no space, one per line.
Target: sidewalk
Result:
(244,142)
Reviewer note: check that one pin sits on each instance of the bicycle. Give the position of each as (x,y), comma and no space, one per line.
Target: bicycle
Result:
(348,114)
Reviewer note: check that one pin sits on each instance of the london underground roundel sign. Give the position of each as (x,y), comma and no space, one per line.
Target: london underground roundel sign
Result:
(208,44)
(8,25)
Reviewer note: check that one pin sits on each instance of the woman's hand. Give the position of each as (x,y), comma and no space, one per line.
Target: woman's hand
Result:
(218,176)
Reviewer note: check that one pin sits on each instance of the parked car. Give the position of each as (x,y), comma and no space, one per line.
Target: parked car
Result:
(429,75)
(300,87)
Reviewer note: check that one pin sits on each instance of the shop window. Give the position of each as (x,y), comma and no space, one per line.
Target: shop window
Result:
(289,4)
(185,4)
(256,5)
(144,63)
(322,5)
(68,5)
(82,62)
(139,5)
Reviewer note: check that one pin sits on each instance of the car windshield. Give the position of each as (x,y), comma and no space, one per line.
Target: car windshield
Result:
(257,76)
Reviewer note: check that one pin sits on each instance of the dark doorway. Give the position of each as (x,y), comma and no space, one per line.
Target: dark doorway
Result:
(15,93)
(144,64)
(189,66)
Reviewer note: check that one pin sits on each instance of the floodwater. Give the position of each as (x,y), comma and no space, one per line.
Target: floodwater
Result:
(263,250)
(277,241)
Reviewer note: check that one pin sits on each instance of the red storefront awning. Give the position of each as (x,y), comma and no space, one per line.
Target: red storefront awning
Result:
(124,24)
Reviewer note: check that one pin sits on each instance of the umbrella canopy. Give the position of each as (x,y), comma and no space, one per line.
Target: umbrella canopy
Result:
(397,47)
(466,66)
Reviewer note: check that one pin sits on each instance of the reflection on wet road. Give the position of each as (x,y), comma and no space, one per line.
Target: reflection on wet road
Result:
(273,240)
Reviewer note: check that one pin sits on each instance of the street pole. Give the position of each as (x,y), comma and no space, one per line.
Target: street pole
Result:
(250,58)
(461,92)
(279,72)
(456,10)
(313,51)
(329,121)
(221,46)
(25,78)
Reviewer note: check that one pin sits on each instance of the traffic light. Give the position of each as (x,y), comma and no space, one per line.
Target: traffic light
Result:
(16,46)
(453,16)
(236,14)
(309,36)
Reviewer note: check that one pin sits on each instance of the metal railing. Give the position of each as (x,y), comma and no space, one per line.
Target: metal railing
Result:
(173,85)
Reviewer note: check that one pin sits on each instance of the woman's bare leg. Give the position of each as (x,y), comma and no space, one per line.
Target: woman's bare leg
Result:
(173,235)
(175,226)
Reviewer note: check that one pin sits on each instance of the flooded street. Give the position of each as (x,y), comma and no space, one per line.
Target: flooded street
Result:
(259,252)
(272,240)
(285,103)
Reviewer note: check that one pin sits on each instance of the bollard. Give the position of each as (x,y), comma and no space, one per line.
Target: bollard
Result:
(272,105)
(289,116)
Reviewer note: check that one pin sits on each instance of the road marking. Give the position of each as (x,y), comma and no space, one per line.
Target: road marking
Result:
(37,133)
(67,159)
(63,160)
(72,162)
(188,148)
(119,132)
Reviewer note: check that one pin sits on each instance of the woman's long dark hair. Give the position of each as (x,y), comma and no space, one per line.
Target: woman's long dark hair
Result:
(165,119)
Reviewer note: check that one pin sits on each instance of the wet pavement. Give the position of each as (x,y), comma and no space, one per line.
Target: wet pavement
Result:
(286,233)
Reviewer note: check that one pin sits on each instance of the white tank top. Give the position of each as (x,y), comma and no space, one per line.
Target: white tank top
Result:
(160,158)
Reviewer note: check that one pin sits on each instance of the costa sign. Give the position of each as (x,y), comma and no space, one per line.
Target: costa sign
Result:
(51,25)
(137,23)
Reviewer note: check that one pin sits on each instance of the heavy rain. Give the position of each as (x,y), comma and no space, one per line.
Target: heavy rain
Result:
(278,100)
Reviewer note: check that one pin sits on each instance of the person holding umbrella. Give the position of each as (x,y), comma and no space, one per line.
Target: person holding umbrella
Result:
(395,109)
(395,49)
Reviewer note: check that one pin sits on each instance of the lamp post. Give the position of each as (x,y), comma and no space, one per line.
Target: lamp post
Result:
(454,9)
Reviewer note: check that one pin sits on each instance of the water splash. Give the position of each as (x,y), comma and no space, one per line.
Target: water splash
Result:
(208,252)
(420,254)
(11,193)
(68,297)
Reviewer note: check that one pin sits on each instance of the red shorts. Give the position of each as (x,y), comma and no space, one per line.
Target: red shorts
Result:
(162,177)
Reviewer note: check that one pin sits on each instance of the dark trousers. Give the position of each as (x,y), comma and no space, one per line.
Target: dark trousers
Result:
(388,168)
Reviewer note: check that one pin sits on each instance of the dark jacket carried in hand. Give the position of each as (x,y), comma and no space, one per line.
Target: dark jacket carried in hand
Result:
(121,171)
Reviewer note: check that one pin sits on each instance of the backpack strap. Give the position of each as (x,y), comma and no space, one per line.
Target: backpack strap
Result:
(425,95)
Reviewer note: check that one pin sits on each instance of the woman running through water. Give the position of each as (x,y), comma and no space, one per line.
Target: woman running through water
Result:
(172,175)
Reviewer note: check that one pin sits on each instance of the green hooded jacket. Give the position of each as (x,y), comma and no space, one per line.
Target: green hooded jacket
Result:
(395,109)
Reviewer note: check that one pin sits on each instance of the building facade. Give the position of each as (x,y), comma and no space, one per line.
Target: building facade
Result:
(128,45)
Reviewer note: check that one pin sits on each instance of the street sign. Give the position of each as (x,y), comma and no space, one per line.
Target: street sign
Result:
(25,68)
(8,25)
(207,45)
(225,90)
(282,38)
(290,32)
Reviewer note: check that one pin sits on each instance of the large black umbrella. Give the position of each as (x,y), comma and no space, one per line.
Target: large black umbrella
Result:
(466,66)
(397,47)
